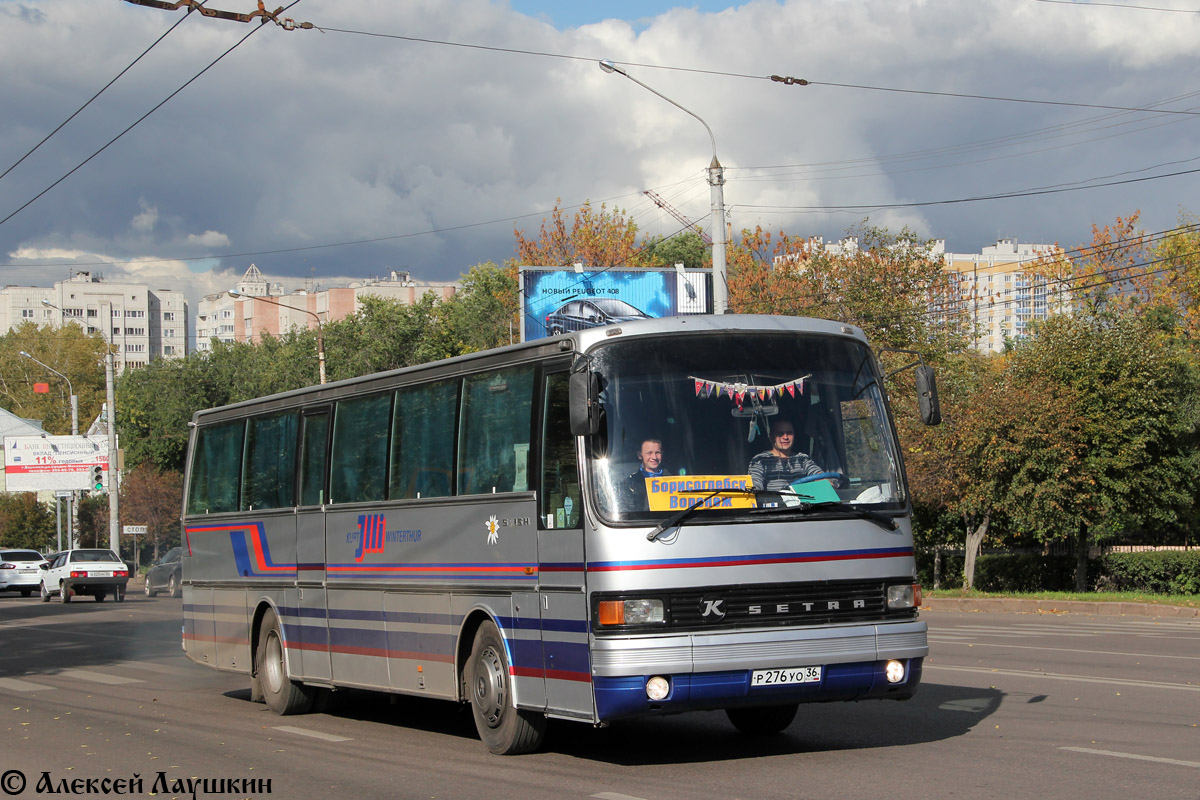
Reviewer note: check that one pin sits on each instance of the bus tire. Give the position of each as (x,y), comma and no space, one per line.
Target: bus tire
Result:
(282,695)
(505,729)
(762,720)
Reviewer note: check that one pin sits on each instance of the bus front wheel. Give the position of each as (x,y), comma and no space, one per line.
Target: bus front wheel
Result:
(762,720)
(505,729)
(282,695)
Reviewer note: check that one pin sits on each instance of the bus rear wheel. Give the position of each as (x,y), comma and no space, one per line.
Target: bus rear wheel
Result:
(762,720)
(282,695)
(505,729)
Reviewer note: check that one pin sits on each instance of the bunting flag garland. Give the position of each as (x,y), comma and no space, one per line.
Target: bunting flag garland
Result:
(737,391)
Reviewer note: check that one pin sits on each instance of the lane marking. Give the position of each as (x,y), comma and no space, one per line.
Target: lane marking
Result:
(615,796)
(1135,756)
(163,669)
(1055,676)
(1065,649)
(18,685)
(974,705)
(328,737)
(98,677)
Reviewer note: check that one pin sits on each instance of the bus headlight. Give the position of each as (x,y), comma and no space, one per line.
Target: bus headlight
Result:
(630,612)
(906,595)
(894,671)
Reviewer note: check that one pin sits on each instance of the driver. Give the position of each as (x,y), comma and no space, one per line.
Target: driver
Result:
(778,468)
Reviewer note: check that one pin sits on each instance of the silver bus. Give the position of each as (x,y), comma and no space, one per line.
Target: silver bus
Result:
(484,530)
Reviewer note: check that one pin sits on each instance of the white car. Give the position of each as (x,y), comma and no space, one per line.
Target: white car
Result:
(20,570)
(89,571)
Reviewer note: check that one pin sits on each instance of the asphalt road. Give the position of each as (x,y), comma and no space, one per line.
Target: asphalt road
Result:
(1013,706)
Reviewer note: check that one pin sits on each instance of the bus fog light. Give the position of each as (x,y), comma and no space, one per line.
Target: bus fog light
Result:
(657,688)
(894,671)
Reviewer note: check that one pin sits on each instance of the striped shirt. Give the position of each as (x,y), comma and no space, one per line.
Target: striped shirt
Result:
(775,473)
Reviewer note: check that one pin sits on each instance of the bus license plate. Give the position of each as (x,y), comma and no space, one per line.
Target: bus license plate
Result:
(778,677)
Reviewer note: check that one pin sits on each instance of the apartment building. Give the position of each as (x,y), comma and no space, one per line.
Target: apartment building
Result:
(142,324)
(258,306)
(1000,293)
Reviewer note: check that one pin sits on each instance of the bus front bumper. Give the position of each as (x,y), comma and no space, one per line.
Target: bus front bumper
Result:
(707,671)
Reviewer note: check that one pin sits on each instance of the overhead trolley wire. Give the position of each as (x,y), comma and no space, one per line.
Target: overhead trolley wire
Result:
(121,74)
(135,123)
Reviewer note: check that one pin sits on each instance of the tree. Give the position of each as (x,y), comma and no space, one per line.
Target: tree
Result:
(685,248)
(26,523)
(1111,271)
(1177,262)
(68,350)
(894,287)
(596,239)
(485,313)
(153,498)
(92,513)
(1121,427)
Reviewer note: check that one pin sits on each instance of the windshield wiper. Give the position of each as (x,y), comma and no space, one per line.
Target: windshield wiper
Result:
(679,516)
(884,521)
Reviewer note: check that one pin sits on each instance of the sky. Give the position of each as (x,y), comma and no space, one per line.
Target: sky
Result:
(419,135)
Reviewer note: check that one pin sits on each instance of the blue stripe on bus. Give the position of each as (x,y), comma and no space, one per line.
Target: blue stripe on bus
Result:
(752,560)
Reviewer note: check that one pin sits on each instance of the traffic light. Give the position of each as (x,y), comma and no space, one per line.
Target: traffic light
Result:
(97,478)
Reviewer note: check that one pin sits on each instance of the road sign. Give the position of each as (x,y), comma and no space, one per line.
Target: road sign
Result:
(45,463)
(134,530)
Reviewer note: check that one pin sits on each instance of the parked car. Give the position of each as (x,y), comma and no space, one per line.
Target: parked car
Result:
(579,315)
(20,571)
(94,572)
(165,574)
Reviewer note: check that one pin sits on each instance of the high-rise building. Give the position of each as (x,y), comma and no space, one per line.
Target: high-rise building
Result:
(140,323)
(1000,293)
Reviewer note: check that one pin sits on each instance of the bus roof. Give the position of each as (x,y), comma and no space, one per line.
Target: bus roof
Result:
(538,349)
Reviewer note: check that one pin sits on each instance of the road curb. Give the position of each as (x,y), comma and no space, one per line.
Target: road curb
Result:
(1030,606)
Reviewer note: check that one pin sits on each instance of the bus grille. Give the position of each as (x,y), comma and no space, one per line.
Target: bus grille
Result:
(791,604)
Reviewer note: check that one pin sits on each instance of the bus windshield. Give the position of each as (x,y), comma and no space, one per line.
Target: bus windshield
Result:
(738,422)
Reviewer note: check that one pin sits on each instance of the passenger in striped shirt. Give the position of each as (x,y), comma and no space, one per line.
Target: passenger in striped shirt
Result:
(776,469)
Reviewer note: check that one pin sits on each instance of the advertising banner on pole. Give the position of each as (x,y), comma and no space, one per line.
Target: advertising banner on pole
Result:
(563,299)
(49,463)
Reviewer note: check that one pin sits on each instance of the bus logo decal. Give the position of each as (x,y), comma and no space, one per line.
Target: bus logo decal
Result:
(372,532)
(493,529)
(712,608)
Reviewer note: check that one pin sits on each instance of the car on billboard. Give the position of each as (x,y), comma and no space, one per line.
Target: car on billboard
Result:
(579,315)
(20,571)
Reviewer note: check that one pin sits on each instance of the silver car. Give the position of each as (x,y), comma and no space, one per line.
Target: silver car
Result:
(20,570)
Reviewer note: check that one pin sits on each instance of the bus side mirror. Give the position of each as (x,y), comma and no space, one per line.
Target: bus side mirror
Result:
(584,403)
(927,396)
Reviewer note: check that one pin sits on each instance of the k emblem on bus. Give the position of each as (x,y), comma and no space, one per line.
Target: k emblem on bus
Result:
(372,531)
(712,609)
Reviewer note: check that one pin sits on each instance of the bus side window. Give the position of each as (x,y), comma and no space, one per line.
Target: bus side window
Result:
(216,469)
(269,473)
(559,494)
(358,467)
(494,430)
(312,459)
(423,441)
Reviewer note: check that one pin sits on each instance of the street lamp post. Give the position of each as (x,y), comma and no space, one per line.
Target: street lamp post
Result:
(114,512)
(716,182)
(74,432)
(320,333)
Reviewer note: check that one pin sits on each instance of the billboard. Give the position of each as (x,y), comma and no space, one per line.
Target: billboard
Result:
(45,463)
(558,300)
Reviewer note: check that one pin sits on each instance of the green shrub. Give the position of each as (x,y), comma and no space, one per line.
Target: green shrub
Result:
(1161,572)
